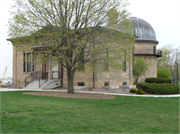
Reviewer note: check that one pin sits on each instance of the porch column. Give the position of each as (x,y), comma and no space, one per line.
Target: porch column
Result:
(60,71)
(50,63)
(44,70)
(35,65)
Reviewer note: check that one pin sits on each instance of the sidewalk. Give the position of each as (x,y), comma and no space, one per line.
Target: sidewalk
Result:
(115,92)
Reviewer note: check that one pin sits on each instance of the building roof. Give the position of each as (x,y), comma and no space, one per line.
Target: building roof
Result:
(45,31)
(143,30)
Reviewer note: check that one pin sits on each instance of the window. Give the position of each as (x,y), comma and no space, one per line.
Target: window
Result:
(133,49)
(124,83)
(81,62)
(105,59)
(33,62)
(24,62)
(28,62)
(106,83)
(124,61)
(154,50)
(81,84)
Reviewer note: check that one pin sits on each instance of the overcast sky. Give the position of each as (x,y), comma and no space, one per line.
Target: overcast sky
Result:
(163,15)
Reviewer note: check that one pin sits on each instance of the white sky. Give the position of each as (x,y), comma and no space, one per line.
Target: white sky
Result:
(163,15)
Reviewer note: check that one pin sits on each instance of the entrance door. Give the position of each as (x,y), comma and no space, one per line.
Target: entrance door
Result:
(55,71)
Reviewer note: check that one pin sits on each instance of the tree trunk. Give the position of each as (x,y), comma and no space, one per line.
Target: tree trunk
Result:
(136,79)
(70,76)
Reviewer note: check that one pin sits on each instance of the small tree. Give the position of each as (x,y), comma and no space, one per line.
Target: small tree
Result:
(140,68)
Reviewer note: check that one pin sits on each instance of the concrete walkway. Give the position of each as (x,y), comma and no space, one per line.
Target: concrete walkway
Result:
(125,94)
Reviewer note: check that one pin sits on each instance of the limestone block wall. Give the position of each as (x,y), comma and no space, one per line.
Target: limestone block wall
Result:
(144,45)
(79,77)
(14,64)
(113,78)
(151,59)
(18,64)
(18,73)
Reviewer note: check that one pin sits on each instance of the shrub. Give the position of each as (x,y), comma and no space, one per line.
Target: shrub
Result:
(164,73)
(139,91)
(164,88)
(158,80)
(134,83)
(132,90)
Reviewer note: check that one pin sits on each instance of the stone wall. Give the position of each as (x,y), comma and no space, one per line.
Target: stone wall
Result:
(113,78)
(14,77)
(18,65)
(144,45)
(151,59)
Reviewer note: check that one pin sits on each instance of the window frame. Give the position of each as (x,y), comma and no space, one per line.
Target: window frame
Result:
(28,67)
(24,62)
(81,65)
(105,59)
(29,61)
(124,62)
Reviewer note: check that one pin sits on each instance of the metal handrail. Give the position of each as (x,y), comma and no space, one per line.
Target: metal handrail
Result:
(32,77)
(27,81)
(45,77)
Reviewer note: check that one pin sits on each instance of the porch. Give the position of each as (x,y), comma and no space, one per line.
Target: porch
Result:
(45,69)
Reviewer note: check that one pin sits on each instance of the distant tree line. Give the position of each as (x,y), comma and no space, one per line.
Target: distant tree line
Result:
(168,64)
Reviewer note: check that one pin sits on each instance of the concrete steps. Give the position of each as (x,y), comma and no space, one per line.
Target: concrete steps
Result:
(47,85)
(35,85)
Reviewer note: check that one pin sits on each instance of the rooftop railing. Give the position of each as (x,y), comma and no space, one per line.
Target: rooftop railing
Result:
(157,53)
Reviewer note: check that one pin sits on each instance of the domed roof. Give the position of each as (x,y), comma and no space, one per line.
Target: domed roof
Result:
(143,30)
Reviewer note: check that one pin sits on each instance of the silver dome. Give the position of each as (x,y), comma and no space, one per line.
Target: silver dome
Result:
(143,30)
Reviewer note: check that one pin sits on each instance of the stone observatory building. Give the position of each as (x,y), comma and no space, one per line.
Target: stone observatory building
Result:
(51,73)
(146,45)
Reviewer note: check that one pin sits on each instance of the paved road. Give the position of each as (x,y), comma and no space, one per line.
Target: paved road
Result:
(123,94)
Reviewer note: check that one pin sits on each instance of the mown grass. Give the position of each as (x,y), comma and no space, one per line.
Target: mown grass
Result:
(22,113)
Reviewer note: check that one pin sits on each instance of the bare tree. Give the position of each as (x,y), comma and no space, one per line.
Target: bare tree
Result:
(75,31)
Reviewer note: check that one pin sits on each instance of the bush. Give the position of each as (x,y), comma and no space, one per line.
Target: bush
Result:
(132,90)
(164,73)
(139,91)
(164,88)
(134,83)
(158,80)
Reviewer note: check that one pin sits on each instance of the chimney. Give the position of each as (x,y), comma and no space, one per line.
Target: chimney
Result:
(112,19)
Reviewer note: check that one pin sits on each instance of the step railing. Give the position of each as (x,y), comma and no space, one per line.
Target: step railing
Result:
(32,77)
(43,77)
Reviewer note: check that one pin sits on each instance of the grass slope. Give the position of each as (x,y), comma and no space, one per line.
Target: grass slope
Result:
(39,114)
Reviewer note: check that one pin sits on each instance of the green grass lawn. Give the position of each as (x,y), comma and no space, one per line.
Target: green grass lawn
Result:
(40,114)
